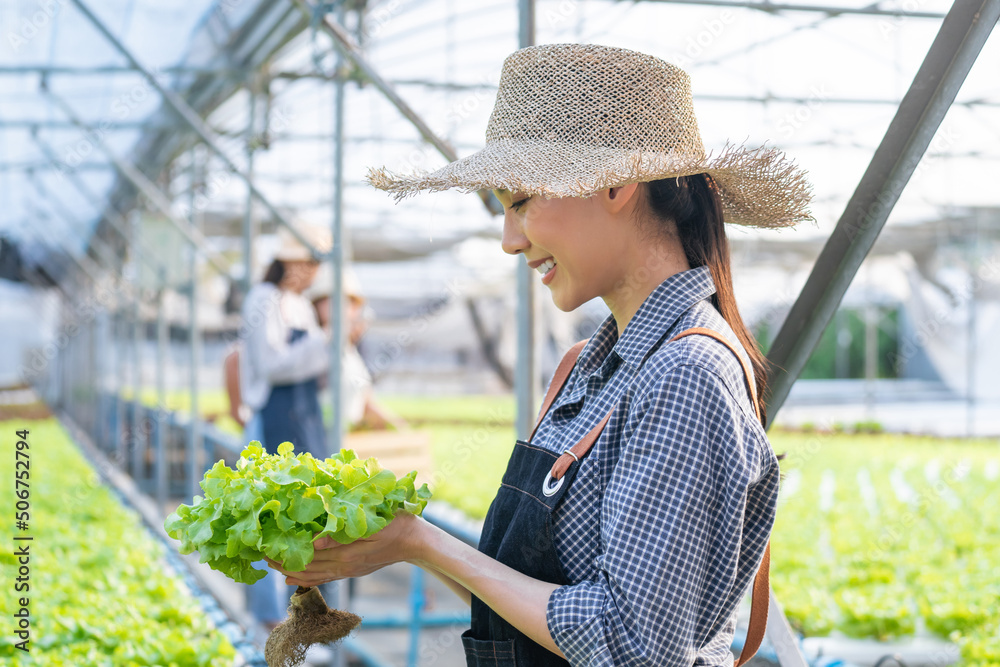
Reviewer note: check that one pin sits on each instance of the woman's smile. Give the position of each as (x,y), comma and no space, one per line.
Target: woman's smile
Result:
(546,268)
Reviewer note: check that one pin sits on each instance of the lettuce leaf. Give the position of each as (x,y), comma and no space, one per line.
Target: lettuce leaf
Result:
(279,505)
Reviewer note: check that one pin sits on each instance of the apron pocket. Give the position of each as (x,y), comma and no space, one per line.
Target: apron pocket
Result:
(484,653)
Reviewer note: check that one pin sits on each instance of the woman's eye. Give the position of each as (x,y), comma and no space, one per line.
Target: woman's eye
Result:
(516,206)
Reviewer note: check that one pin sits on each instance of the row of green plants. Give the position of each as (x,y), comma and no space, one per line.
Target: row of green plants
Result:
(100,592)
(878,535)
(889,536)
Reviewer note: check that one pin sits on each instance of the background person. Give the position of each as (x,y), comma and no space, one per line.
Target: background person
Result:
(284,353)
(285,350)
(361,410)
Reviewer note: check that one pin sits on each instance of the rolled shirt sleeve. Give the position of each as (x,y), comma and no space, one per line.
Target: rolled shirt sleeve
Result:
(676,553)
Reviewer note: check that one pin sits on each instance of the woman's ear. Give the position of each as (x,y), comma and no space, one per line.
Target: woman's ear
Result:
(616,199)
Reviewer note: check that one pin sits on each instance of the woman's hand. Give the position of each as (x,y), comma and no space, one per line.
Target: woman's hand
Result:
(397,542)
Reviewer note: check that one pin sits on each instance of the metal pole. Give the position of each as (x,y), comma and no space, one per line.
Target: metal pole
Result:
(871,356)
(336,432)
(161,396)
(831,10)
(155,196)
(339,590)
(525,372)
(191,117)
(194,435)
(121,433)
(93,385)
(349,49)
(101,432)
(114,218)
(138,431)
(971,351)
(248,222)
(960,39)
(93,394)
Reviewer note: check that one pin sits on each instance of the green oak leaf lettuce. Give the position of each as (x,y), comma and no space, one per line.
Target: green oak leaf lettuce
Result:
(278,505)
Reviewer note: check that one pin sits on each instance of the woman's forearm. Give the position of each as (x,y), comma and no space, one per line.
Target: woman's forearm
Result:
(458,589)
(519,599)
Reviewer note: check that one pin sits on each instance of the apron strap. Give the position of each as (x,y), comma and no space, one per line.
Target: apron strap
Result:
(563,370)
(761,584)
(747,374)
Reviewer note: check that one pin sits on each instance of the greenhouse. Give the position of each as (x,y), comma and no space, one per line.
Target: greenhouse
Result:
(209,250)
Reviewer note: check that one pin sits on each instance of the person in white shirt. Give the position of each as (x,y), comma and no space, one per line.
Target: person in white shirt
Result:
(360,409)
(285,351)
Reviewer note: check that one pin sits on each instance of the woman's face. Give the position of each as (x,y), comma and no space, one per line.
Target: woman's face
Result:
(299,275)
(578,252)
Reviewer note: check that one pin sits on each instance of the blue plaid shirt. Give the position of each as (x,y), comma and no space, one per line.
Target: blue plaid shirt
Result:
(666,522)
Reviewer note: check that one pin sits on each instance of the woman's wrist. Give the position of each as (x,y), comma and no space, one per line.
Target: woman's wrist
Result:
(417,536)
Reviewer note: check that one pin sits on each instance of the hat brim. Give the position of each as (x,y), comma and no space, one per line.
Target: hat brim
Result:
(758,187)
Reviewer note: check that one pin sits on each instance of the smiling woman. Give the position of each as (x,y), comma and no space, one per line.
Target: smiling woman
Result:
(630,524)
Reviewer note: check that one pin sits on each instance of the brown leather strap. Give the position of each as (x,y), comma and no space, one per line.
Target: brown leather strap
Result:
(761,583)
(563,370)
(747,374)
(580,449)
(758,609)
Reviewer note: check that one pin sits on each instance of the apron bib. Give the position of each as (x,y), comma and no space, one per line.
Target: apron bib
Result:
(292,414)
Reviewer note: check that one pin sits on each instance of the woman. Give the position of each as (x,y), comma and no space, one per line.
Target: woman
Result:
(282,357)
(285,350)
(630,525)
(361,411)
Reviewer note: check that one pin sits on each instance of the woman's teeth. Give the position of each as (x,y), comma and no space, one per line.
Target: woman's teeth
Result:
(546,266)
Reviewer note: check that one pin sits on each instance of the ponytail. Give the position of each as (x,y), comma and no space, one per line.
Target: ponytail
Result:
(693,204)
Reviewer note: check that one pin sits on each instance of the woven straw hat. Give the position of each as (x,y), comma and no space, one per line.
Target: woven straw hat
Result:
(573,119)
(292,250)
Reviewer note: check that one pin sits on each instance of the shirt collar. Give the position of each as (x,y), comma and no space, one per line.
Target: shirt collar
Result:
(657,314)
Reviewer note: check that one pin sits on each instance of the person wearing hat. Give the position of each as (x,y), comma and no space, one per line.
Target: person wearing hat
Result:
(632,521)
(360,409)
(285,350)
(283,354)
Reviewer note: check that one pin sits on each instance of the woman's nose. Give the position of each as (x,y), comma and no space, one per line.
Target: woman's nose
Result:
(513,241)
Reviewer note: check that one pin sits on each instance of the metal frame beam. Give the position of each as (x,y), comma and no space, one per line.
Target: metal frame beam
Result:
(109,125)
(101,70)
(526,381)
(48,166)
(830,10)
(192,119)
(113,217)
(952,54)
(154,194)
(350,50)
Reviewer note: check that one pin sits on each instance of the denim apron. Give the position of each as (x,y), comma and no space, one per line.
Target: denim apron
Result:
(518,533)
(292,414)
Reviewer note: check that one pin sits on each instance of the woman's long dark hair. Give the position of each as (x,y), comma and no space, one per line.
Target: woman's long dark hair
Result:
(693,204)
(275,272)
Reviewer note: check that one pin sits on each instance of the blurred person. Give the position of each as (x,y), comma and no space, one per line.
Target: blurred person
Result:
(360,409)
(283,356)
(285,350)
